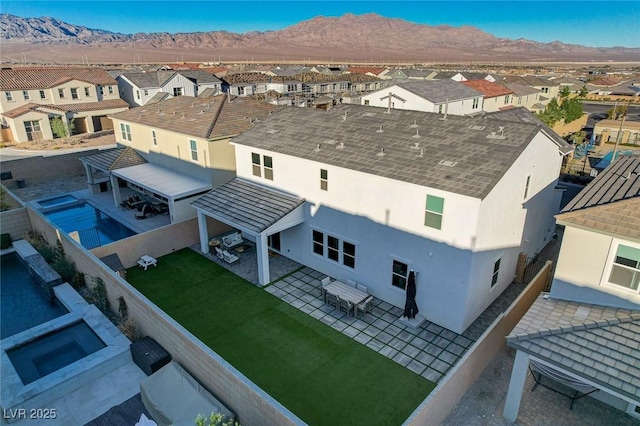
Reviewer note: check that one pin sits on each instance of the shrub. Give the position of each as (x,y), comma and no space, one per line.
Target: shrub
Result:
(41,245)
(128,328)
(99,293)
(5,241)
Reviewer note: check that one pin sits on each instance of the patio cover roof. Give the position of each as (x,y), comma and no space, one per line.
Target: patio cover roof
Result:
(112,159)
(247,206)
(162,181)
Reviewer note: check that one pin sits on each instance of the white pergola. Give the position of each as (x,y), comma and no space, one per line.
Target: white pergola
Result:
(257,211)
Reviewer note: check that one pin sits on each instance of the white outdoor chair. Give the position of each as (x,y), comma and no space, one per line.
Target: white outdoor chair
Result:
(228,257)
(352,283)
(344,304)
(219,253)
(323,291)
(365,306)
(332,299)
(362,288)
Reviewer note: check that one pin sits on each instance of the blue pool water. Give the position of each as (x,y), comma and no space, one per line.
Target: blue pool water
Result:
(54,351)
(94,227)
(23,304)
(56,201)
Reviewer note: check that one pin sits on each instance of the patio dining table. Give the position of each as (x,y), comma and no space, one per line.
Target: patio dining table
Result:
(346,292)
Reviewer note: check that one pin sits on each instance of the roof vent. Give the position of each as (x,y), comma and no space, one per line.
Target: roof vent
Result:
(447,163)
(381,153)
(421,155)
(380,130)
(476,127)
(417,135)
(201,111)
(318,146)
(493,135)
(368,114)
(331,141)
(501,129)
(340,146)
(175,112)
(158,111)
(272,131)
(416,145)
(344,116)
(415,124)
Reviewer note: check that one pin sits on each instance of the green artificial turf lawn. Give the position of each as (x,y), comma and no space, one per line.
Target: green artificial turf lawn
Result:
(321,375)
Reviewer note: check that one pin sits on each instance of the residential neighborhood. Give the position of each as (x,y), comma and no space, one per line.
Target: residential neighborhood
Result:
(293,242)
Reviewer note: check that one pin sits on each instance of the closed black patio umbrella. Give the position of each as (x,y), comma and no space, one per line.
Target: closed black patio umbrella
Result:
(410,307)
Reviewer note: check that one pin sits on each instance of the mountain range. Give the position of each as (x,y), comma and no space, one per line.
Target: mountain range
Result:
(349,38)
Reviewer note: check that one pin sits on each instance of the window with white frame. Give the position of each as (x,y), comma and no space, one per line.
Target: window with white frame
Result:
(399,274)
(125,130)
(240,90)
(146,92)
(25,95)
(32,126)
(153,137)
(625,271)
(526,187)
(268,167)
(137,94)
(439,109)
(324,180)
(333,248)
(506,99)
(194,149)
(74,93)
(61,93)
(433,212)
(9,96)
(366,102)
(496,272)
(87,91)
(255,162)
(476,103)
(110,88)
(177,91)
(544,90)
(100,90)
(43,95)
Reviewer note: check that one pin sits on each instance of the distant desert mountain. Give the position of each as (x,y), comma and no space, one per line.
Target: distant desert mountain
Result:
(368,37)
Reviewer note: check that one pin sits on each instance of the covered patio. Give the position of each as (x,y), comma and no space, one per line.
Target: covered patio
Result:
(256,211)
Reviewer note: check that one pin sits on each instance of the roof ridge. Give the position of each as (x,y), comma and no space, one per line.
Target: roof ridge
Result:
(577,212)
(217,115)
(589,325)
(119,157)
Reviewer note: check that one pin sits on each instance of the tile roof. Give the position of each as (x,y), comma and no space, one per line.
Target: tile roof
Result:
(490,90)
(42,78)
(21,110)
(439,91)
(89,106)
(113,159)
(247,204)
(459,154)
(520,89)
(209,118)
(595,342)
(366,70)
(529,80)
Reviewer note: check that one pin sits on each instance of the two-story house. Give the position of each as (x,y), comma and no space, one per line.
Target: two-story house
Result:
(496,96)
(585,333)
(31,97)
(548,89)
(366,194)
(440,96)
(138,88)
(181,148)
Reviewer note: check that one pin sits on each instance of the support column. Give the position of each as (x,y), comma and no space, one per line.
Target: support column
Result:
(202,230)
(89,172)
(115,188)
(516,386)
(262,252)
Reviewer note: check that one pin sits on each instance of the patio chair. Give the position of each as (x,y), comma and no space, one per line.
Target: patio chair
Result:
(332,299)
(344,305)
(144,212)
(362,288)
(352,283)
(323,288)
(219,253)
(228,257)
(365,306)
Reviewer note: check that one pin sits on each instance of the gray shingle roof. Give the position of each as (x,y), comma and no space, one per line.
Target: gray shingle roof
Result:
(459,154)
(112,159)
(595,342)
(158,78)
(439,91)
(248,205)
(200,77)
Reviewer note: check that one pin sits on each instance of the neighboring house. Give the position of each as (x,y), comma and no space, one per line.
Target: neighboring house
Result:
(32,97)
(585,332)
(496,96)
(139,88)
(525,96)
(607,131)
(465,76)
(372,71)
(440,96)
(367,195)
(548,89)
(184,142)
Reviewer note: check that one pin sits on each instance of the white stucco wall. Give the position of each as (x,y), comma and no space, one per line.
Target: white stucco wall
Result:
(418,103)
(584,266)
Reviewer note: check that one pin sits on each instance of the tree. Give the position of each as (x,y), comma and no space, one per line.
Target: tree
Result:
(583,92)
(572,109)
(564,92)
(617,112)
(569,110)
(60,129)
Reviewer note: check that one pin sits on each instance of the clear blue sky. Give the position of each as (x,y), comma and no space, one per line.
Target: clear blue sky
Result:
(590,23)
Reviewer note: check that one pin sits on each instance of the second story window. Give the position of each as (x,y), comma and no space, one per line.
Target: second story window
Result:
(625,271)
(240,90)
(25,95)
(110,89)
(61,93)
(476,103)
(74,93)
(268,167)
(9,96)
(433,212)
(194,149)
(100,90)
(526,187)
(324,180)
(177,91)
(506,99)
(153,137)
(496,272)
(43,95)
(366,102)
(137,94)
(544,90)
(267,162)
(87,93)
(125,130)
(255,162)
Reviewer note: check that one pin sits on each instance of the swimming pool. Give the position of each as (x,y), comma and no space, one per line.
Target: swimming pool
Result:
(93,227)
(58,200)
(51,352)
(24,303)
